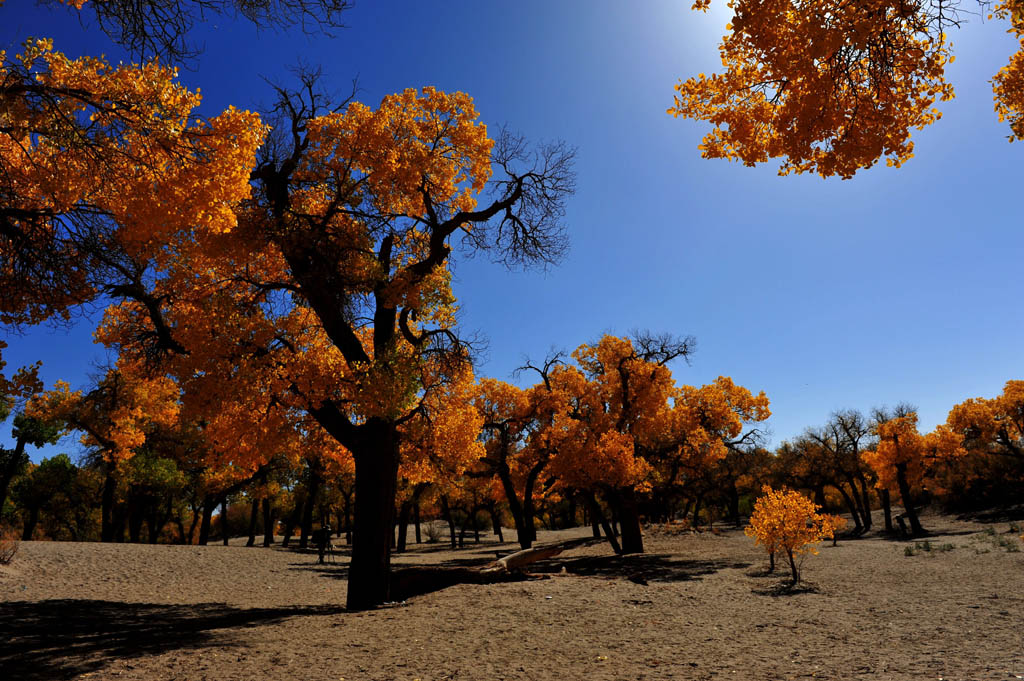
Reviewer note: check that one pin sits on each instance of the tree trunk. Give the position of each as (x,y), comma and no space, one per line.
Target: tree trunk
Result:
(854,511)
(135,521)
(107,505)
(416,521)
(315,482)
(819,495)
(883,495)
(209,504)
(908,502)
(403,525)
(734,504)
(268,523)
(348,521)
(254,516)
(865,500)
(369,574)
(446,513)
(120,520)
(30,524)
(496,522)
(514,507)
(183,538)
(224,530)
(293,520)
(792,566)
(629,521)
(13,465)
(696,511)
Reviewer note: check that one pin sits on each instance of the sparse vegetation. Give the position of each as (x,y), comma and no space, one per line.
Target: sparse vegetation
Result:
(8,545)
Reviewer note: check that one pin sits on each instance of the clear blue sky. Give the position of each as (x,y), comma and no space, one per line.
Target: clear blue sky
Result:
(898,285)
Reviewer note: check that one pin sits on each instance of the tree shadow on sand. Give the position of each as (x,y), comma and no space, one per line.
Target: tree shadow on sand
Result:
(64,638)
(639,568)
(409,579)
(787,588)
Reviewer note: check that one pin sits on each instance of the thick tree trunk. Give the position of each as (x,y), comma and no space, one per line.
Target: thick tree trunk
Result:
(403,525)
(883,495)
(514,507)
(136,518)
(629,520)
(268,523)
(182,536)
(369,575)
(908,502)
(224,529)
(446,513)
(865,501)
(293,519)
(416,521)
(120,521)
(348,521)
(819,495)
(254,516)
(733,495)
(30,524)
(854,511)
(107,506)
(158,520)
(209,504)
(315,482)
(13,465)
(496,522)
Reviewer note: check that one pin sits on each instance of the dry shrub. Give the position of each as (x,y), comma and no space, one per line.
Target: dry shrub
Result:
(8,545)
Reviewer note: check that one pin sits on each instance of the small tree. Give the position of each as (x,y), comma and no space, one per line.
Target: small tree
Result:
(788,521)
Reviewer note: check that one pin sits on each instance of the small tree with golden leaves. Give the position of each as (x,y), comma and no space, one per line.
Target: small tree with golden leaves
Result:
(785,520)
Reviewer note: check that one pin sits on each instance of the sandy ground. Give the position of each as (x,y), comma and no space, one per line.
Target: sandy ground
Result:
(706,611)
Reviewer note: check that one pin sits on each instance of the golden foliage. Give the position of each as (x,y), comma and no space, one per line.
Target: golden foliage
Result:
(787,521)
(1008,84)
(995,424)
(828,87)
(902,450)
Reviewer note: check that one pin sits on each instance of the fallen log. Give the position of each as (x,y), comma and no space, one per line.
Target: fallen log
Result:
(520,559)
(415,581)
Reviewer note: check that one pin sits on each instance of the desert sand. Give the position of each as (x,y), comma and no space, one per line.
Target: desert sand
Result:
(695,606)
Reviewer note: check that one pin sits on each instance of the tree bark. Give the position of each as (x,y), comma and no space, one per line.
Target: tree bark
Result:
(107,505)
(908,502)
(446,513)
(883,495)
(293,519)
(254,515)
(496,522)
(13,465)
(224,530)
(865,500)
(416,521)
(369,575)
(209,504)
(792,566)
(629,522)
(854,510)
(315,482)
(30,524)
(268,523)
(403,525)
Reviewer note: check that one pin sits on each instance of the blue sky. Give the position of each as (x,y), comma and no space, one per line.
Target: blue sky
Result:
(898,285)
